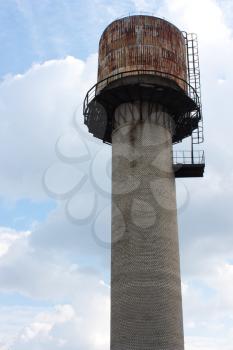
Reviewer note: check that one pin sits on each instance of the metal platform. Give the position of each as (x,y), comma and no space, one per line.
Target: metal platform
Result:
(188,163)
(145,85)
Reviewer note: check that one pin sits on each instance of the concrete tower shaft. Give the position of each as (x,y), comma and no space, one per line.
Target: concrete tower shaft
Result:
(146,309)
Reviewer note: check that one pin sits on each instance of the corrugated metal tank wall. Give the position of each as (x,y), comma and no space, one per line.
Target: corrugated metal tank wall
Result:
(142,42)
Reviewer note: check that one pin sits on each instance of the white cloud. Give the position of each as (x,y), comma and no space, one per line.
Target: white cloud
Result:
(54,278)
(27,269)
(44,322)
(13,319)
(8,238)
(68,328)
(143,5)
(62,326)
(207,343)
(65,326)
(36,108)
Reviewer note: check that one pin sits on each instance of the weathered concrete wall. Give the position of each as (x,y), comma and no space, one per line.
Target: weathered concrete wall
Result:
(146,309)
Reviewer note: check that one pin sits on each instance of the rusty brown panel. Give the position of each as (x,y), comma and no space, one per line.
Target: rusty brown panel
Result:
(142,42)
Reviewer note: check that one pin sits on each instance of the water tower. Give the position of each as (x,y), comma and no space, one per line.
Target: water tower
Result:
(147,99)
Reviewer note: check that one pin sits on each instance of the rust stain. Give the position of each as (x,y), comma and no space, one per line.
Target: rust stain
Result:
(142,42)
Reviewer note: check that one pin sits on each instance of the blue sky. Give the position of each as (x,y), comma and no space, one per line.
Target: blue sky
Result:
(36,31)
(54,263)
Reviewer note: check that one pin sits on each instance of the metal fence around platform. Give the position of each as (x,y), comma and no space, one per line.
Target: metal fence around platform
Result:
(189,157)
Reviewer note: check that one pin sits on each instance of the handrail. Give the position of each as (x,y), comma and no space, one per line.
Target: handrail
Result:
(191,92)
(189,157)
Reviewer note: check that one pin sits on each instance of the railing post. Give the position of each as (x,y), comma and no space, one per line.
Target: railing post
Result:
(192,158)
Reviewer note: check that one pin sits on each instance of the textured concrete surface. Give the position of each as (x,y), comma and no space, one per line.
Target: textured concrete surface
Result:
(146,308)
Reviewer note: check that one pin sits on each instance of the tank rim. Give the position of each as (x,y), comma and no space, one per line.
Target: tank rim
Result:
(140,15)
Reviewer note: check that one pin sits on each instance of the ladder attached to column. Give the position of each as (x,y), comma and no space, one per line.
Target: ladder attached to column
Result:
(194,80)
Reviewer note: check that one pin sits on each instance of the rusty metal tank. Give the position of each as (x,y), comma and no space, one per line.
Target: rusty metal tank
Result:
(143,43)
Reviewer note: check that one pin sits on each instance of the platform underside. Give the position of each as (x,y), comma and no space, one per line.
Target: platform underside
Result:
(188,170)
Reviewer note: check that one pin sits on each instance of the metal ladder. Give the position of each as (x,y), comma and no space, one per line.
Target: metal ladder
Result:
(194,81)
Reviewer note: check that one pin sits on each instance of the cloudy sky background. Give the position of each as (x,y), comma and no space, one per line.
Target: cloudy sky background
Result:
(54,179)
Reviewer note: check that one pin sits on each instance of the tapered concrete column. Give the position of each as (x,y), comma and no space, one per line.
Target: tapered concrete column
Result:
(146,309)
